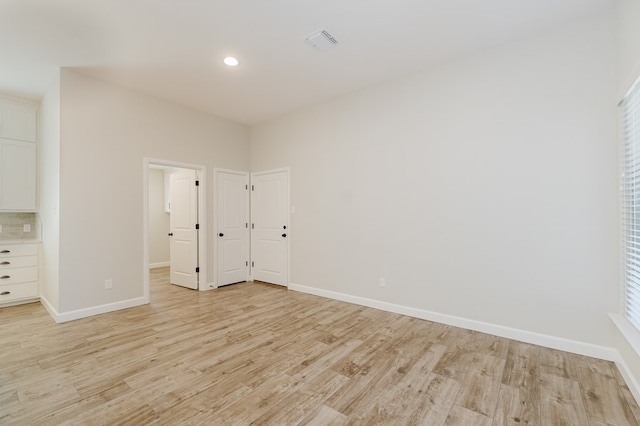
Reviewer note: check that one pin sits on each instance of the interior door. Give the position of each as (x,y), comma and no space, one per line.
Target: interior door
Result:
(232,227)
(270,226)
(183,220)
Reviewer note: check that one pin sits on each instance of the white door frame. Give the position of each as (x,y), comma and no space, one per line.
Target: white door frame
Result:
(289,225)
(202,219)
(216,200)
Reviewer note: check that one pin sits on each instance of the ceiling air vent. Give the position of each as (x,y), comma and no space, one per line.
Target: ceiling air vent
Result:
(321,40)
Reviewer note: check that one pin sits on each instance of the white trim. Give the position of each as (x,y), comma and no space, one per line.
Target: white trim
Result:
(628,376)
(632,336)
(202,219)
(553,342)
(630,333)
(95,310)
(158,265)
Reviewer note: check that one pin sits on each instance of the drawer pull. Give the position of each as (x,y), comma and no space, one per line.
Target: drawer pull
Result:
(4,277)
(5,251)
(5,263)
(5,293)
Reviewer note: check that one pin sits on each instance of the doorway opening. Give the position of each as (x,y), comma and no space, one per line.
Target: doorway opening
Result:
(187,247)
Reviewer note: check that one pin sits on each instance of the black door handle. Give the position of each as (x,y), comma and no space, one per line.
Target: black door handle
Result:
(284,235)
(221,235)
(171,234)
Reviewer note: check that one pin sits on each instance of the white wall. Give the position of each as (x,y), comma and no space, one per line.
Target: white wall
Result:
(627,43)
(627,71)
(158,220)
(106,131)
(484,189)
(49,192)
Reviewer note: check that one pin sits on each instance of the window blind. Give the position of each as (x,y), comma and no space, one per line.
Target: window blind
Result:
(630,126)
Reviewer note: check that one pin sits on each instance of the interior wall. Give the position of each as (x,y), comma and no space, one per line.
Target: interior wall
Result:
(484,189)
(106,132)
(48,157)
(627,71)
(627,43)
(158,220)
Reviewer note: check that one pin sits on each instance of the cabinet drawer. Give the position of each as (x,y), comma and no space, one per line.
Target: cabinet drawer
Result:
(18,262)
(18,250)
(18,275)
(9,293)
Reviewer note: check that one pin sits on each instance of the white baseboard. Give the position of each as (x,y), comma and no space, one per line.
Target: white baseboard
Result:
(209,286)
(94,310)
(158,265)
(628,376)
(632,336)
(581,348)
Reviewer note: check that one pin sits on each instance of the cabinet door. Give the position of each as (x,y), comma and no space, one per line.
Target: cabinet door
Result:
(18,122)
(17,175)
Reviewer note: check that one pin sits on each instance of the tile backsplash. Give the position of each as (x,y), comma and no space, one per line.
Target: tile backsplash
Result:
(13,226)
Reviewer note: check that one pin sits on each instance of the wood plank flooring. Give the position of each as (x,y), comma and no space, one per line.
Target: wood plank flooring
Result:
(258,354)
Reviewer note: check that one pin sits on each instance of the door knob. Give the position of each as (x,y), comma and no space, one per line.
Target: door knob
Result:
(170,234)
(284,235)
(221,235)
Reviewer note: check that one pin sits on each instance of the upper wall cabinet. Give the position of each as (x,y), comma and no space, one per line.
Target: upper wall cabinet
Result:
(18,134)
(17,176)
(18,122)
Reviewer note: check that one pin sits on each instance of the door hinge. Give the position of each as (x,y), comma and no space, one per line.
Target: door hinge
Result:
(253,226)
(246,263)
(246,225)
(246,187)
(197,226)
(253,264)
(197,183)
(252,188)
(197,269)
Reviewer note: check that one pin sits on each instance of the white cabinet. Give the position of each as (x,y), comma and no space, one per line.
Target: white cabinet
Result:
(18,121)
(18,136)
(17,175)
(18,273)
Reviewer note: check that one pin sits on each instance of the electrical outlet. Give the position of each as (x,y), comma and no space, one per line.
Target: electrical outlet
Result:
(108,284)
(26,227)
(383,282)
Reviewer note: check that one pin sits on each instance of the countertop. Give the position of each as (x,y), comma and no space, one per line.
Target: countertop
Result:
(15,242)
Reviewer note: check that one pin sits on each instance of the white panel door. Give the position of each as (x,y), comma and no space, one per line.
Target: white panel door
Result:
(270,226)
(183,233)
(232,227)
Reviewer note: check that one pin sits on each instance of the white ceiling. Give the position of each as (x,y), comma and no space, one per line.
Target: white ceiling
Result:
(173,49)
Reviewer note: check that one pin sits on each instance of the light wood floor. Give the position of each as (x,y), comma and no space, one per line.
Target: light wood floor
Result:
(254,353)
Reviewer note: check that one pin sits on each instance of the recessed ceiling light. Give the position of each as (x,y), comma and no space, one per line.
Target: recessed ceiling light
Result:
(230,61)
